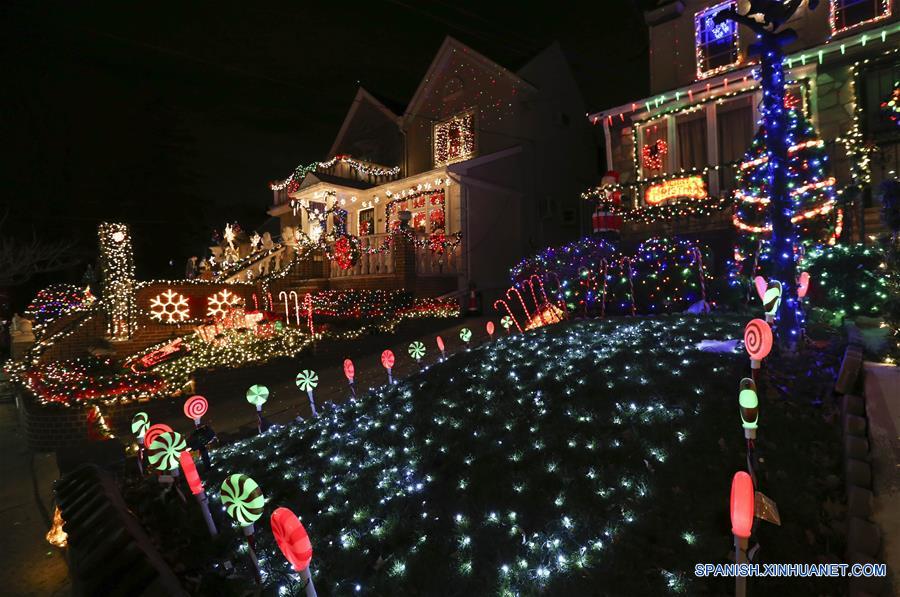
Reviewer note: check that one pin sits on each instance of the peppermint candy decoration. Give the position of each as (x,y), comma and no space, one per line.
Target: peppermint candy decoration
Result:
(140,423)
(257,395)
(349,370)
(165,450)
(195,407)
(506,321)
(307,380)
(243,499)
(155,431)
(465,334)
(772,297)
(387,359)
(417,350)
(292,538)
(758,339)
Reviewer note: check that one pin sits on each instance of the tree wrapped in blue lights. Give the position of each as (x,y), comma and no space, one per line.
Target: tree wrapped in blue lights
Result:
(811,189)
(765,18)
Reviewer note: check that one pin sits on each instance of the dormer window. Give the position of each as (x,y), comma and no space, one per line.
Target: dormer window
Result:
(454,139)
(717,44)
(847,14)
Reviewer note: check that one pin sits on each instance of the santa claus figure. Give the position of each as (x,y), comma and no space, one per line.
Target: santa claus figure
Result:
(607,220)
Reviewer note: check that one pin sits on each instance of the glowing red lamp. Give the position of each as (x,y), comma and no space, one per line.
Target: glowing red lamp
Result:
(349,370)
(742,503)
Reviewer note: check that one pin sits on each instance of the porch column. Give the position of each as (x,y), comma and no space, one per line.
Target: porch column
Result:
(712,148)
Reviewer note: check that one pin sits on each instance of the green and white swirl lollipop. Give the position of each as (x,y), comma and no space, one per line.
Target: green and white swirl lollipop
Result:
(140,423)
(307,380)
(165,451)
(506,321)
(417,350)
(243,499)
(257,395)
(465,335)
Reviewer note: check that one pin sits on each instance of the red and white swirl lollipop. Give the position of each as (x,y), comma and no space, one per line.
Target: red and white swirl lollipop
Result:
(294,543)
(757,341)
(195,407)
(387,361)
(155,431)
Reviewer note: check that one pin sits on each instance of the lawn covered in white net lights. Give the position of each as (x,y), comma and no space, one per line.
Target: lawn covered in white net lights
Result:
(586,457)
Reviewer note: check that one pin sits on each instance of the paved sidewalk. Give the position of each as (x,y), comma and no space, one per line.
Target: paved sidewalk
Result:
(883,410)
(28,564)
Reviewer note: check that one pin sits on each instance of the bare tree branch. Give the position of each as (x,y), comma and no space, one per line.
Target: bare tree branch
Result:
(20,259)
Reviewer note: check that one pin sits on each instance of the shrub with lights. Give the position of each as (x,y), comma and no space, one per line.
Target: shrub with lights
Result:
(662,275)
(848,281)
(89,380)
(558,462)
(56,301)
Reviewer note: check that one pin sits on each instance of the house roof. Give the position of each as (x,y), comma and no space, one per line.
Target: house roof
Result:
(362,95)
(443,55)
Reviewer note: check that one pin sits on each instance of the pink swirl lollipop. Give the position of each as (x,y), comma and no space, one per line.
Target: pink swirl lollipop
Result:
(292,538)
(195,407)
(349,370)
(154,432)
(757,341)
(387,359)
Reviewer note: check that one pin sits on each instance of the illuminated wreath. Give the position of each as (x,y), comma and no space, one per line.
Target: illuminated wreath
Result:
(654,153)
(891,106)
(346,251)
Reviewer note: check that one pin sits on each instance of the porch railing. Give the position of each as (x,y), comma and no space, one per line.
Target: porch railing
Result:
(381,262)
(431,263)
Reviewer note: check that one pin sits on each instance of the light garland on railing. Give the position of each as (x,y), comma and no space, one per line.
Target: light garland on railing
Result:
(301,171)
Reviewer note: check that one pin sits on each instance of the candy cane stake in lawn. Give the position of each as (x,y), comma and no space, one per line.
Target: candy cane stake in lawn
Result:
(287,309)
(196,487)
(350,372)
(307,380)
(294,543)
(244,502)
(387,361)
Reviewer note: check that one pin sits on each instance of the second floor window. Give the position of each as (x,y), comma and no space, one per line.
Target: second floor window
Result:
(846,14)
(717,44)
(454,139)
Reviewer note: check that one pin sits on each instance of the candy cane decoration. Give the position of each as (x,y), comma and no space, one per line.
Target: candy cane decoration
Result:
(605,265)
(534,298)
(270,304)
(538,306)
(255,302)
(508,311)
(521,300)
(296,306)
(196,486)
(287,309)
(560,295)
(308,304)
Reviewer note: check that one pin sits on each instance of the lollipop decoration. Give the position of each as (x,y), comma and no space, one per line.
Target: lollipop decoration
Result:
(440,345)
(195,407)
(294,543)
(771,300)
(387,361)
(307,380)
(803,285)
(140,423)
(350,372)
(165,450)
(417,351)
(465,335)
(760,283)
(742,503)
(258,395)
(155,431)
(244,501)
(757,342)
(506,321)
(490,329)
(196,486)
(749,403)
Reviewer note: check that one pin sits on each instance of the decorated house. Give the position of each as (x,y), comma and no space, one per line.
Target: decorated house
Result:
(482,166)
(681,153)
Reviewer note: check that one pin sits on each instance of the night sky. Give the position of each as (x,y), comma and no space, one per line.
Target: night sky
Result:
(173,116)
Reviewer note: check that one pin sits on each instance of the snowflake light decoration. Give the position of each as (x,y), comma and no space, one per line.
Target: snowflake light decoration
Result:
(218,304)
(169,307)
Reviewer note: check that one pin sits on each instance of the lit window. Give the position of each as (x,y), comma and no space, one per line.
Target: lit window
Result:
(718,47)
(846,14)
(454,139)
(366,222)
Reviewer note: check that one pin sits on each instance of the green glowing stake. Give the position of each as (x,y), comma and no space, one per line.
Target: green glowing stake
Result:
(749,403)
